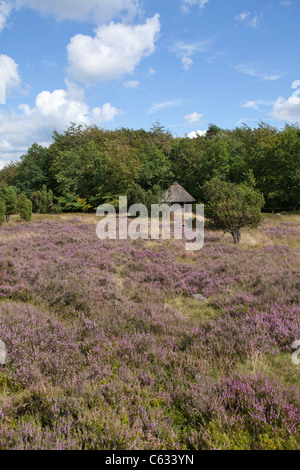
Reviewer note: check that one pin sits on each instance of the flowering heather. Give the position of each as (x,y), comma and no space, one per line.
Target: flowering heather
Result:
(107,348)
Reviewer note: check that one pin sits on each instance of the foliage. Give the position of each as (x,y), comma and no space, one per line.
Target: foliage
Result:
(42,201)
(24,207)
(92,163)
(232,207)
(138,195)
(2,211)
(32,171)
(156,168)
(84,205)
(57,209)
(9,196)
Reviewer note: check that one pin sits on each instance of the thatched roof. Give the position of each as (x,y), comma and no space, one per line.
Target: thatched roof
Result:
(176,193)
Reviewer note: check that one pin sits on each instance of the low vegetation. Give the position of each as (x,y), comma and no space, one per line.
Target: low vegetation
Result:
(108,349)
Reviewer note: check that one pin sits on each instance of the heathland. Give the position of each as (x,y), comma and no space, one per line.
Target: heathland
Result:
(108,349)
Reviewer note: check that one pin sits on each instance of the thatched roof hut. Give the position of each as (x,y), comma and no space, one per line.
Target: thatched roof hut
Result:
(176,194)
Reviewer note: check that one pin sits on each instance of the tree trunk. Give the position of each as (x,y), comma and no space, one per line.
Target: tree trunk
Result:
(236,236)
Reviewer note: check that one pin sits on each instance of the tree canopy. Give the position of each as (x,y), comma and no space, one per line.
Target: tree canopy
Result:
(233,206)
(97,165)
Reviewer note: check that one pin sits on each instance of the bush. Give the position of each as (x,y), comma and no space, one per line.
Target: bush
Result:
(57,209)
(42,201)
(24,207)
(138,195)
(9,196)
(233,206)
(258,412)
(2,211)
(85,207)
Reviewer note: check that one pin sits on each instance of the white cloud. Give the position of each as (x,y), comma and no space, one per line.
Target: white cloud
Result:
(187,62)
(99,11)
(195,134)
(187,4)
(5,10)
(9,73)
(245,17)
(132,84)
(151,72)
(254,22)
(106,113)
(19,129)
(186,51)
(165,104)
(288,110)
(286,3)
(114,51)
(249,70)
(193,118)
(256,104)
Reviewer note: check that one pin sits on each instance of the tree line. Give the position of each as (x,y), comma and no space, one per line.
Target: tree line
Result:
(86,166)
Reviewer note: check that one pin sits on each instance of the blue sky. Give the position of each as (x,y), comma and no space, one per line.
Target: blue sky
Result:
(129,63)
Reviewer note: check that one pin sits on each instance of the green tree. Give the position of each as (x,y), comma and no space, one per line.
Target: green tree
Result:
(42,201)
(9,196)
(24,207)
(32,171)
(81,173)
(139,195)
(156,168)
(2,211)
(36,202)
(232,207)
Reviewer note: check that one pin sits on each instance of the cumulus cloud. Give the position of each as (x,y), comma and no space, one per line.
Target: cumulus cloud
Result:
(105,114)
(115,50)
(288,110)
(56,109)
(99,11)
(9,75)
(5,10)
(195,134)
(193,118)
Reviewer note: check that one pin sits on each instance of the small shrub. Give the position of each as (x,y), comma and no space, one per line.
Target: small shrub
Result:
(24,207)
(232,207)
(57,209)
(2,211)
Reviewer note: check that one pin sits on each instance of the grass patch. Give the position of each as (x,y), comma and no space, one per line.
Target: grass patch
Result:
(280,367)
(193,309)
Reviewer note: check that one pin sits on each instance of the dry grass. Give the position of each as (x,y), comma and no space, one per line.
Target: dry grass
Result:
(251,238)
